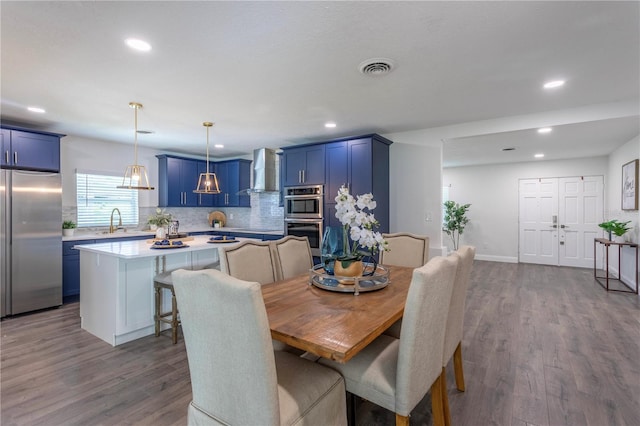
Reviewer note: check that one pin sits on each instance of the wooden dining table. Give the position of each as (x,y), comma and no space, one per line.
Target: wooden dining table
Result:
(329,324)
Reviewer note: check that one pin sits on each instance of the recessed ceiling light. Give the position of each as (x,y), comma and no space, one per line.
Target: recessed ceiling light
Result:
(36,109)
(218,145)
(330,125)
(539,155)
(544,130)
(553,84)
(138,44)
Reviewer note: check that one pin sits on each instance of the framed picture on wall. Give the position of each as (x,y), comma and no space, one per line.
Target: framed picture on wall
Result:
(630,185)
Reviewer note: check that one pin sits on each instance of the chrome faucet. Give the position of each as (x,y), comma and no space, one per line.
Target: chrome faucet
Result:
(112,228)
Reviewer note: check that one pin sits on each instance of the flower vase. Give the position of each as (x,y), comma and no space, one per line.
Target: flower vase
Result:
(348,268)
(331,247)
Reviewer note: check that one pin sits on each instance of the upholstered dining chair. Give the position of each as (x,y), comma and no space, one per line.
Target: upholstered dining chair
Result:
(250,261)
(236,376)
(397,373)
(455,322)
(293,255)
(254,260)
(404,250)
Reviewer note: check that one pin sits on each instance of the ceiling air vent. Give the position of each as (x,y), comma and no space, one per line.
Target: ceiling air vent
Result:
(376,66)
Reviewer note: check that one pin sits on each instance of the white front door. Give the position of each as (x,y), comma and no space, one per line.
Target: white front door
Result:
(559,219)
(539,221)
(580,211)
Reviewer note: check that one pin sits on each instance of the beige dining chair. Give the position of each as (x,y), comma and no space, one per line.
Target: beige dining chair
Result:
(236,376)
(455,322)
(293,255)
(251,260)
(404,250)
(397,373)
(254,260)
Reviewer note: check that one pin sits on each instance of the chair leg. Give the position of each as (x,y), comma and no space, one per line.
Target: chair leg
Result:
(457,366)
(402,420)
(445,399)
(174,317)
(436,402)
(156,317)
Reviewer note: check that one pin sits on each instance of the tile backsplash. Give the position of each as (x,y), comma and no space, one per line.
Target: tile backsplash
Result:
(264,213)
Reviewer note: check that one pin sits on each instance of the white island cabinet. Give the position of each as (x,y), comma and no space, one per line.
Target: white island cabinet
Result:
(116,283)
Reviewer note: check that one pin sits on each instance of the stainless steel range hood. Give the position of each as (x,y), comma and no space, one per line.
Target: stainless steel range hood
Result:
(264,172)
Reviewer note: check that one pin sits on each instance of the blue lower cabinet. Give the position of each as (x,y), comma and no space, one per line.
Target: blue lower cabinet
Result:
(71,270)
(269,237)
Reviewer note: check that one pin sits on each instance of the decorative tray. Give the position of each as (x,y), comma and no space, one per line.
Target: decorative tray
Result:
(222,240)
(356,285)
(177,246)
(219,216)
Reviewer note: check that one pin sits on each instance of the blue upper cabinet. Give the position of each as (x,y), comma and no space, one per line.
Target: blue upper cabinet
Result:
(233,175)
(30,151)
(361,164)
(178,177)
(5,144)
(303,165)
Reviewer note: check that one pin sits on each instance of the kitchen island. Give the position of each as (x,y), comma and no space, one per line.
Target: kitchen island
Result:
(116,283)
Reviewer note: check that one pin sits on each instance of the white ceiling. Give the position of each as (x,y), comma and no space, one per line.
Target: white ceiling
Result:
(272,73)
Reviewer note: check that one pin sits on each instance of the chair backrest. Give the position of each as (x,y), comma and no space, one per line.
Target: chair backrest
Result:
(223,317)
(406,250)
(423,329)
(250,261)
(293,255)
(455,321)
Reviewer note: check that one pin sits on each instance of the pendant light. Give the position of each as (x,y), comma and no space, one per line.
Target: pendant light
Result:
(207,182)
(135,176)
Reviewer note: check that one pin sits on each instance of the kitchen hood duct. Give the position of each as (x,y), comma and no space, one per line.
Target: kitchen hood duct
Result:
(264,172)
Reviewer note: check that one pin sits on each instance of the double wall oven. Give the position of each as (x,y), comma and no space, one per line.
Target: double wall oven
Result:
(303,213)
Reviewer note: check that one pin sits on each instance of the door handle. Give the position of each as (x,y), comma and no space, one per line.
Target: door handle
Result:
(6,157)
(553,226)
(564,226)
(15,157)
(303,177)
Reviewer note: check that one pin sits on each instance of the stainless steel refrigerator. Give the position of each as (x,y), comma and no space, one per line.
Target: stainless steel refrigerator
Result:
(30,241)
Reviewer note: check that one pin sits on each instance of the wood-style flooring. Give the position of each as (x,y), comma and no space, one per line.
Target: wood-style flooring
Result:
(543,346)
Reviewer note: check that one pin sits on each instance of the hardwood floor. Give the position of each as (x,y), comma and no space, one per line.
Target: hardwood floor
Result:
(543,346)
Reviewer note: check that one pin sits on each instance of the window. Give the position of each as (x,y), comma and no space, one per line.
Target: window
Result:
(97,196)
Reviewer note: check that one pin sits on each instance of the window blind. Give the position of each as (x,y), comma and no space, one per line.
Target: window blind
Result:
(97,196)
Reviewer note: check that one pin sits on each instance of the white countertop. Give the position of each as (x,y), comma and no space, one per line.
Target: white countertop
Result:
(142,248)
(99,235)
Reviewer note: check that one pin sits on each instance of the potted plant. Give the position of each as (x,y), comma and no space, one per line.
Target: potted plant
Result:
(358,223)
(455,220)
(68,226)
(617,228)
(159,220)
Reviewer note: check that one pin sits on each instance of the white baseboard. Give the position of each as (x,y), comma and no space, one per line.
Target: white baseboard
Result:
(503,259)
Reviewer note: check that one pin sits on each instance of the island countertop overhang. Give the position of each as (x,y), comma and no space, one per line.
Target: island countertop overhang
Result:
(137,249)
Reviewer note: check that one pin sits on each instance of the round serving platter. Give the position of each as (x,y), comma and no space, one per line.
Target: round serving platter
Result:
(379,280)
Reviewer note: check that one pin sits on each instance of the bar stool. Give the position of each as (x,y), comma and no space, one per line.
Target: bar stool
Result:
(163,281)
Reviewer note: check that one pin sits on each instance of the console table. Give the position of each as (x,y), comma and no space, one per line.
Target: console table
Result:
(607,277)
